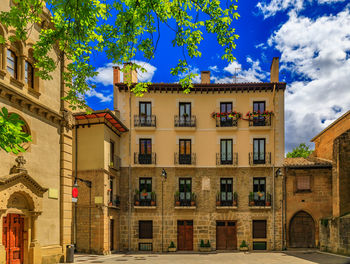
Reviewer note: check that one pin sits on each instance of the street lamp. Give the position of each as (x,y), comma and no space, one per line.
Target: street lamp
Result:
(164,177)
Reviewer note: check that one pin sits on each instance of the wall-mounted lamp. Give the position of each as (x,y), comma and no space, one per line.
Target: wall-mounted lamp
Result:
(164,174)
(278,172)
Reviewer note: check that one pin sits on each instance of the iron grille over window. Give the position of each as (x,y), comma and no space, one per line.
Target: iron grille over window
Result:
(303,182)
(146,229)
(259,228)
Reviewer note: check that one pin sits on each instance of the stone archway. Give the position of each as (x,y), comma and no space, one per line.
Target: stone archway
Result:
(302,231)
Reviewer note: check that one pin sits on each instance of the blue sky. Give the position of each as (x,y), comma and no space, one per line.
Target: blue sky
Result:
(312,39)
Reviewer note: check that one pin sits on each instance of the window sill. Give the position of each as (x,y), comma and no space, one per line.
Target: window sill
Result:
(226,165)
(260,127)
(185,207)
(145,207)
(144,128)
(260,207)
(16,82)
(113,207)
(303,191)
(230,128)
(184,128)
(2,73)
(144,165)
(33,92)
(226,207)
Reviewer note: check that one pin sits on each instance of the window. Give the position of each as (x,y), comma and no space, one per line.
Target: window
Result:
(185,114)
(111,190)
(145,111)
(145,155)
(259,151)
(145,229)
(226,195)
(185,190)
(225,120)
(226,151)
(12,63)
(303,182)
(29,74)
(260,108)
(259,228)
(145,187)
(185,151)
(111,153)
(259,190)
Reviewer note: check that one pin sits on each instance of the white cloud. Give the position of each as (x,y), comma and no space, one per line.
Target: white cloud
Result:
(318,52)
(103,98)
(105,73)
(195,70)
(214,68)
(271,8)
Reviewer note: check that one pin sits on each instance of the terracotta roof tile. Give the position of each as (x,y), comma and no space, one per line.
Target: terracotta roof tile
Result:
(306,162)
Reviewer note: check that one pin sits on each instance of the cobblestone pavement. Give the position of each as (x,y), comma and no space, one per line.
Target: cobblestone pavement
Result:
(294,257)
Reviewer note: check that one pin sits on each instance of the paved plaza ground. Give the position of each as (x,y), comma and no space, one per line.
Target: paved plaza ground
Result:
(286,257)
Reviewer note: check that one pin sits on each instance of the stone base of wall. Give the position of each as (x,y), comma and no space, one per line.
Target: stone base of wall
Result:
(335,235)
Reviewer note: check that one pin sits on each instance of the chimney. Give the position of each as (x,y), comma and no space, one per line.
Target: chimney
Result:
(205,77)
(274,76)
(131,75)
(116,75)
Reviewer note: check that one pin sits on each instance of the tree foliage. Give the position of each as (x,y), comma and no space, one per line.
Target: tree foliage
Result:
(301,151)
(123,29)
(11,135)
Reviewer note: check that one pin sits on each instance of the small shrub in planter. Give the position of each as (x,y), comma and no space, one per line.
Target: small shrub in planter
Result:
(172,247)
(205,247)
(243,246)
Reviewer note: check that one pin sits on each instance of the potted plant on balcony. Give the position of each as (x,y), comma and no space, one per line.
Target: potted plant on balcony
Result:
(137,201)
(185,115)
(218,203)
(251,199)
(193,199)
(234,199)
(144,193)
(268,201)
(153,198)
(243,246)
(204,247)
(177,198)
(172,247)
(117,201)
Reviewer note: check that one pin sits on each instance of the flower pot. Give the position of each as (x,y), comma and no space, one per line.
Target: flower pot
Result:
(268,203)
(137,203)
(110,204)
(193,203)
(172,249)
(234,203)
(153,203)
(251,203)
(177,203)
(204,249)
(243,249)
(218,203)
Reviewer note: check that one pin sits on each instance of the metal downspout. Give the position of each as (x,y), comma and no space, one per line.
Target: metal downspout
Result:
(129,183)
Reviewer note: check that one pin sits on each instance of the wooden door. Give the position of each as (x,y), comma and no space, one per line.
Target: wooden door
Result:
(111,233)
(302,231)
(185,234)
(13,226)
(226,235)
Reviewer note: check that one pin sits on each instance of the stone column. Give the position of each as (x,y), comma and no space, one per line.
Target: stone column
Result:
(2,247)
(35,248)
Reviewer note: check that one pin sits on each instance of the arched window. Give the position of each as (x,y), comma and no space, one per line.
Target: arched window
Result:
(12,63)
(29,74)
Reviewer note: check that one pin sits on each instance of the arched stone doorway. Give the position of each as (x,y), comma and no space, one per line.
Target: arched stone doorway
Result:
(302,231)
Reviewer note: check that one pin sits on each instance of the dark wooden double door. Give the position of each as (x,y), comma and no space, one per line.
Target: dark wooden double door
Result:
(226,235)
(185,234)
(12,238)
(302,231)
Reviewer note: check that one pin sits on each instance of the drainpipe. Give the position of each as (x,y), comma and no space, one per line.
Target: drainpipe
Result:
(273,172)
(75,180)
(130,193)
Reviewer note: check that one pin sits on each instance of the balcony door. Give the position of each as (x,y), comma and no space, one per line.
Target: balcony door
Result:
(185,151)
(259,189)
(226,194)
(259,107)
(145,111)
(145,187)
(259,151)
(185,191)
(145,155)
(226,151)
(225,120)
(185,114)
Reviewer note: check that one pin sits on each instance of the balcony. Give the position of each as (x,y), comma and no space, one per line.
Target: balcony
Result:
(259,158)
(228,160)
(227,200)
(260,200)
(145,200)
(147,122)
(185,122)
(114,201)
(260,122)
(185,159)
(145,159)
(226,122)
(185,200)
(115,162)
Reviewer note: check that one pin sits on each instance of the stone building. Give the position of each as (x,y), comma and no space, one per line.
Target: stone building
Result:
(35,186)
(190,172)
(317,192)
(96,141)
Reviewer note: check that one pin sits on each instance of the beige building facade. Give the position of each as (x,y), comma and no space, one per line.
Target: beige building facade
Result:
(222,181)
(35,186)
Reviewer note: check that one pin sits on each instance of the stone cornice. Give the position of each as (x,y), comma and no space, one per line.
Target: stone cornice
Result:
(21,100)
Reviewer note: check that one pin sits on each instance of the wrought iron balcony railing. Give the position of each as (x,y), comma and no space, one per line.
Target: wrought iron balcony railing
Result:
(260,199)
(144,120)
(185,121)
(259,158)
(227,199)
(114,200)
(145,199)
(115,162)
(260,121)
(185,199)
(227,159)
(144,158)
(226,121)
(185,159)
